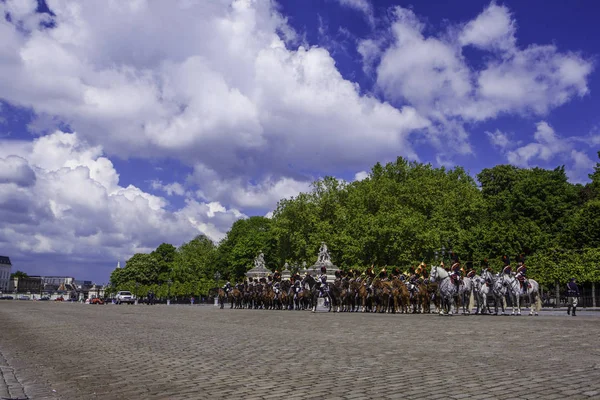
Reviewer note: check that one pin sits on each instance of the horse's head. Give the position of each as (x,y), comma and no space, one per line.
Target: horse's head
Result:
(437,274)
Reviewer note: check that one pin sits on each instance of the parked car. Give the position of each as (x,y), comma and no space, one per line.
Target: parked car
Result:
(24,298)
(124,297)
(96,300)
(59,299)
(6,298)
(45,298)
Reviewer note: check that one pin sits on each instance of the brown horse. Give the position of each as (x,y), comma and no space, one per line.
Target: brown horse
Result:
(401,296)
(364,297)
(222,296)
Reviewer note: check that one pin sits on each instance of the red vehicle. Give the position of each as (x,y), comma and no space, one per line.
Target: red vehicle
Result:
(59,299)
(96,300)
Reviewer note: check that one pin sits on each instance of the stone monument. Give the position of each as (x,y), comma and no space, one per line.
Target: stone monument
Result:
(285,272)
(259,270)
(324,260)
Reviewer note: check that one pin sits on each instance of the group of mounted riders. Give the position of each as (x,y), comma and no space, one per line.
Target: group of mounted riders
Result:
(411,291)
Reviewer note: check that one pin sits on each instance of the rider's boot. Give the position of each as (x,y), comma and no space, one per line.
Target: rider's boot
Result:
(568,310)
(574,308)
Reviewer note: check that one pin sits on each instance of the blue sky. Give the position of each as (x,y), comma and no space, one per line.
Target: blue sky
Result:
(124,125)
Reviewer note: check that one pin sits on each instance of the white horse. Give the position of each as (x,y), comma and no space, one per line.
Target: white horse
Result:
(498,290)
(481,291)
(465,295)
(446,288)
(515,292)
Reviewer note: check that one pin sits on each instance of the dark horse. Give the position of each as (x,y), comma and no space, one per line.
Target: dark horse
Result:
(316,292)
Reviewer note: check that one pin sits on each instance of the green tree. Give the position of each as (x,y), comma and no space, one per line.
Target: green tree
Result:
(242,244)
(18,274)
(195,260)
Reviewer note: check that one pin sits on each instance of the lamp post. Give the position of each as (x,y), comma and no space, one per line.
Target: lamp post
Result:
(137,293)
(169,282)
(217,278)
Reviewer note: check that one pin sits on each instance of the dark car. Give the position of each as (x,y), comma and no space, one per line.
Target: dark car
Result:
(6,298)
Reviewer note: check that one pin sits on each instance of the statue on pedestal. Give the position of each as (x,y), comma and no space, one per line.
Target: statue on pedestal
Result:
(323,254)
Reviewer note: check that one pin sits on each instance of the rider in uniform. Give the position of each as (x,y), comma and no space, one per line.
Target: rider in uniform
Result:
(323,280)
(455,269)
(338,275)
(276,276)
(507,268)
(521,273)
(370,272)
(227,288)
(383,274)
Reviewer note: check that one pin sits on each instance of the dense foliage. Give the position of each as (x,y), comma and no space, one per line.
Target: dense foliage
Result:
(402,213)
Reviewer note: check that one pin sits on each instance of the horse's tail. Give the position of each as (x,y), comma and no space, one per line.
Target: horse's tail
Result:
(471,301)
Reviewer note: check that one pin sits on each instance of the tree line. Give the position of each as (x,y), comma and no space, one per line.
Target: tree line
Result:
(401,214)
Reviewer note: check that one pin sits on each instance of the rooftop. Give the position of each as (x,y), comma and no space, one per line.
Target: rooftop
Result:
(5,260)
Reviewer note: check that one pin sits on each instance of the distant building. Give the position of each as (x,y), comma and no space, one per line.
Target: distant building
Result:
(53,283)
(31,284)
(5,271)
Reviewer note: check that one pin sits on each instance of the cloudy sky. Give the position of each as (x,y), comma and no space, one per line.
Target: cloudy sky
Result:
(125,124)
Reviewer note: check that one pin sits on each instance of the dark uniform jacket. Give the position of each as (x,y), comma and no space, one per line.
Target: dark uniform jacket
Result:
(572,289)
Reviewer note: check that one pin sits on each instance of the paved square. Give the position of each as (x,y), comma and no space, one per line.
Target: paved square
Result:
(74,351)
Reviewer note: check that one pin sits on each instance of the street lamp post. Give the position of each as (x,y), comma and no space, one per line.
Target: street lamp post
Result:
(217,278)
(137,293)
(169,282)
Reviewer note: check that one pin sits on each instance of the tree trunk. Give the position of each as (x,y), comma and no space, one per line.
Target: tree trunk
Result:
(557,295)
(593,294)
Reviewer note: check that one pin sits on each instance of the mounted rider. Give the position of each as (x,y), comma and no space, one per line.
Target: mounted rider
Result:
(455,269)
(521,273)
(370,272)
(322,279)
(413,275)
(227,288)
(421,271)
(507,270)
(383,275)
(338,275)
(276,276)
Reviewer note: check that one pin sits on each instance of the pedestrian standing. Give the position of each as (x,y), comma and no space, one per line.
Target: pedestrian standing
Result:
(572,295)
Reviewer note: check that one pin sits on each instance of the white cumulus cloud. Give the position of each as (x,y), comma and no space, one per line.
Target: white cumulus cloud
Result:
(59,195)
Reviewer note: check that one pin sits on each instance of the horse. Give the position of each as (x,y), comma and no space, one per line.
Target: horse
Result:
(364,295)
(413,291)
(222,296)
(236,296)
(465,294)
(498,290)
(481,291)
(447,289)
(400,296)
(314,292)
(515,292)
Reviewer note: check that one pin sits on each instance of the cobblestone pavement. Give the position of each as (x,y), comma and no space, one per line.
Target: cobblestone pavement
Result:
(75,351)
